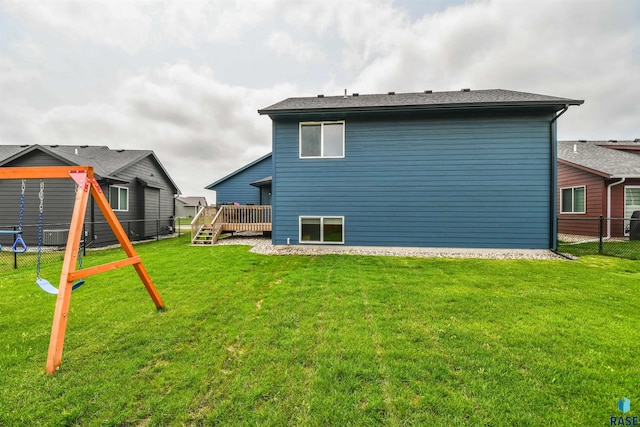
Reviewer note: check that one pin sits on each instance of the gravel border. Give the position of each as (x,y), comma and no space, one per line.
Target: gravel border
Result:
(262,245)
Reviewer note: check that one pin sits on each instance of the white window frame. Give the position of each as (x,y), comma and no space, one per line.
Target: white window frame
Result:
(119,189)
(573,188)
(321,156)
(321,241)
(624,208)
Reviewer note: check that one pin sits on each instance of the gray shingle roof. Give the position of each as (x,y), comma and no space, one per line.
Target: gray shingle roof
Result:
(106,162)
(595,155)
(420,100)
(193,200)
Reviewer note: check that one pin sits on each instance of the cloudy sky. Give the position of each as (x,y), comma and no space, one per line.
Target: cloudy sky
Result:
(185,78)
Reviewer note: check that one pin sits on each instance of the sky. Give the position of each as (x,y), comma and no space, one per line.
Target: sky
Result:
(186,78)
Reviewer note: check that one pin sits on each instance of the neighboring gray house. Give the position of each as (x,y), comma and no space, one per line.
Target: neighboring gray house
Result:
(249,185)
(188,207)
(138,187)
(440,169)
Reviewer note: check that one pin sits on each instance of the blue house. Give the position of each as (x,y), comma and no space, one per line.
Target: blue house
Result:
(432,169)
(249,185)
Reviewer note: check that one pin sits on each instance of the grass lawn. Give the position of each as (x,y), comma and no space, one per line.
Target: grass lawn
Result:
(629,250)
(250,339)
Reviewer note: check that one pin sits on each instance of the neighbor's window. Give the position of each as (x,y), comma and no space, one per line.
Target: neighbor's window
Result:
(119,198)
(631,204)
(321,229)
(323,139)
(572,200)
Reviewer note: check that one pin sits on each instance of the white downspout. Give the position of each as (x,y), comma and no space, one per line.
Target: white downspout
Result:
(609,205)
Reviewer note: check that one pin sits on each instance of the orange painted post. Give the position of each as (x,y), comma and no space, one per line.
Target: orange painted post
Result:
(61,313)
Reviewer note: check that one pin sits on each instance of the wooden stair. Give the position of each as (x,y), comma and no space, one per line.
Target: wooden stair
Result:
(207,235)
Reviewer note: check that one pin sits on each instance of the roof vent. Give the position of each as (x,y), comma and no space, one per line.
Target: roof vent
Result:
(636,140)
(84,146)
(613,140)
(345,93)
(582,140)
(54,146)
(24,145)
(76,151)
(356,94)
(428,91)
(392,93)
(575,148)
(321,96)
(466,90)
(120,151)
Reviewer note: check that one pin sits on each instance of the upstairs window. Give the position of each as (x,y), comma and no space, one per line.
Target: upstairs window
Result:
(321,140)
(572,200)
(119,198)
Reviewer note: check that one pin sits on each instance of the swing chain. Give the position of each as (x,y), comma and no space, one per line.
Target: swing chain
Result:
(21,215)
(41,209)
(41,196)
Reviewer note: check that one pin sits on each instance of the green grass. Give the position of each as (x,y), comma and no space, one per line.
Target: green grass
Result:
(629,250)
(326,340)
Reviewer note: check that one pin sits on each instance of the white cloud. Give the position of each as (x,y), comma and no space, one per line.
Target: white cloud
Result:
(285,45)
(119,24)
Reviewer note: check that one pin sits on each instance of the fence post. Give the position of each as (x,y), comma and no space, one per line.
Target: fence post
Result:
(600,234)
(15,254)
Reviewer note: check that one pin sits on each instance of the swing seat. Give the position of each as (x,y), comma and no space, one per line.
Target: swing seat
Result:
(46,286)
(19,246)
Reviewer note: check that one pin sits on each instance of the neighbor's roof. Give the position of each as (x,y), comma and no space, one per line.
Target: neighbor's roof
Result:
(193,200)
(613,159)
(256,161)
(417,101)
(106,163)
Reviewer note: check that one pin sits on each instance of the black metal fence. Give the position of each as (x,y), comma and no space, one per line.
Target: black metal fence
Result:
(599,235)
(51,240)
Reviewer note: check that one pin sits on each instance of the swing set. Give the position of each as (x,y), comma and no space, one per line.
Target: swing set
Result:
(71,277)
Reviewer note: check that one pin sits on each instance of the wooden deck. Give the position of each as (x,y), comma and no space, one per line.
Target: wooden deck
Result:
(210,222)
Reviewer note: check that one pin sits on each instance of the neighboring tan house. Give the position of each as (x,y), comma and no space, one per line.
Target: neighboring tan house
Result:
(598,178)
(429,169)
(188,207)
(138,187)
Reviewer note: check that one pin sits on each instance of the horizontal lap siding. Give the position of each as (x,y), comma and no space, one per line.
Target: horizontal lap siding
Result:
(447,181)
(238,188)
(59,195)
(578,224)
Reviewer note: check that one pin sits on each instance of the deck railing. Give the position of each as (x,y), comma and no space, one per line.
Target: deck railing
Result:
(205,216)
(244,216)
(233,218)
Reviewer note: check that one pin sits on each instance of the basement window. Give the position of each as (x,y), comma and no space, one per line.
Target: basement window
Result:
(321,140)
(322,229)
(573,200)
(119,198)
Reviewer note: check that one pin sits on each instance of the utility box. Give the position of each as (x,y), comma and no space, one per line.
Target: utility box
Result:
(54,237)
(634,227)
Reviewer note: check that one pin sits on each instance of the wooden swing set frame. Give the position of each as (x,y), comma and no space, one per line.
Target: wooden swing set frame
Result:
(86,184)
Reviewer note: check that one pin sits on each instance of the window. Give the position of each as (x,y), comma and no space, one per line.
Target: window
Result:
(323,139)
(631,204)
(119,198)
(572,200)
(321,229)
